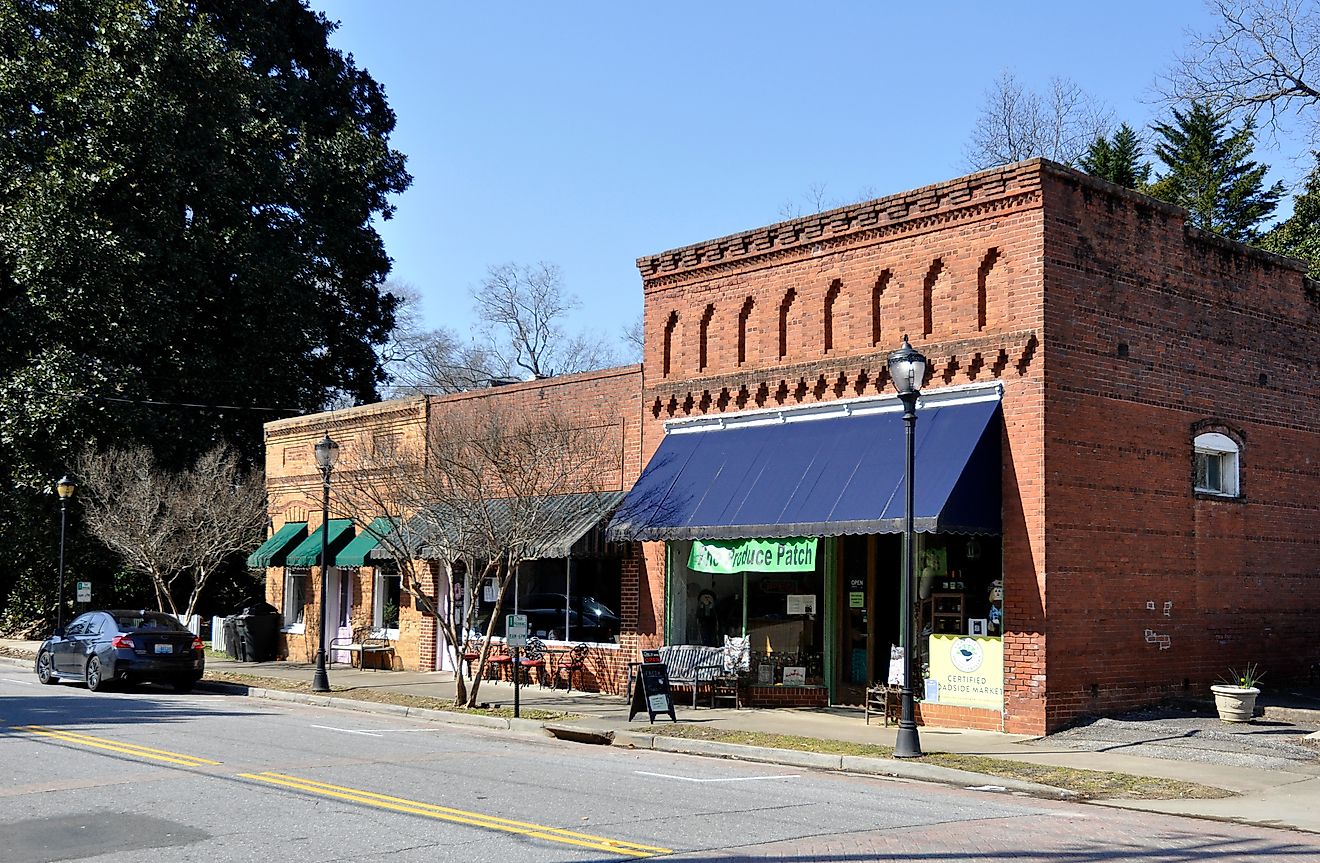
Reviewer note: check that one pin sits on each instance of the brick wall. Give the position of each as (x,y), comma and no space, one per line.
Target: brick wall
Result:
(1154,330)
(808,311)
(605,403)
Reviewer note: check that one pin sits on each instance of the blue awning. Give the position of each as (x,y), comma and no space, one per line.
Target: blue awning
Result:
(820,473)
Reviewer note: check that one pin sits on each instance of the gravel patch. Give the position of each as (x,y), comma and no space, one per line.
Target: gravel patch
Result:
(1183,735)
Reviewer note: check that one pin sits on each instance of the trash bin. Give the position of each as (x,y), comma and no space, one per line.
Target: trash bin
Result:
(258,629)
(233,641)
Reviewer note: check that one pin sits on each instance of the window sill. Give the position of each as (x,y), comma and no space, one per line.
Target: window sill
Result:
(1202,494)
(296,629)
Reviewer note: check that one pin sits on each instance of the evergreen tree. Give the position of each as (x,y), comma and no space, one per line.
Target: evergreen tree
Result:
(186,217)
(1210,172)
(1117,160)
(1299,235)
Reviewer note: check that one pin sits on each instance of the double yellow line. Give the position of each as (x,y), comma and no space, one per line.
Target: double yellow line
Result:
(116,746)
(458,816)
(366,798)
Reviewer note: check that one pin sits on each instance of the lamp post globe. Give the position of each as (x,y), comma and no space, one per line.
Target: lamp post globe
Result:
(907,369)
(327,452)
(66,488)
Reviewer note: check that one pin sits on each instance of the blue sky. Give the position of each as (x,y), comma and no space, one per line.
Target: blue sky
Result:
(589,134)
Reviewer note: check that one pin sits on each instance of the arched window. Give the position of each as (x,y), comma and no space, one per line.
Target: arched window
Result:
(785,308)
(703,339)
(743,317)
(1217,462)
(831,297)
(670,326)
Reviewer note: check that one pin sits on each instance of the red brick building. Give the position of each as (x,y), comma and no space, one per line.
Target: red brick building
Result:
(1125,341)
(364,593)
(1149,393)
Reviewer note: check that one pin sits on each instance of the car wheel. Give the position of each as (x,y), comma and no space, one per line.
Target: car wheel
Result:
(96,681)
(45,668)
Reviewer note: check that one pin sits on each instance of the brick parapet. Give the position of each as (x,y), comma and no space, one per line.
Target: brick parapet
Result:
(929,207)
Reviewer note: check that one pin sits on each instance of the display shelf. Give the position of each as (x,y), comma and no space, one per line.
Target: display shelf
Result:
(945,612)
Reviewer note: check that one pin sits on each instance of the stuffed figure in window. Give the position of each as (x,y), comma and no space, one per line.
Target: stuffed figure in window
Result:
(708,622)
(996,614)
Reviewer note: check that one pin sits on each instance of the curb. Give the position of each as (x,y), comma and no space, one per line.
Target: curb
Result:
(866,765)
(658,743)
(529,727)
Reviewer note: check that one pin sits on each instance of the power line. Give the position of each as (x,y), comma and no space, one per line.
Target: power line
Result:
(193,405)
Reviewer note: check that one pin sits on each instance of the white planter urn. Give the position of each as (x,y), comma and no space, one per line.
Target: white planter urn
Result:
(1235,703)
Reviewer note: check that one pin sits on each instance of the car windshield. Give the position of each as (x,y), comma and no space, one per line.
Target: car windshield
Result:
(132,620)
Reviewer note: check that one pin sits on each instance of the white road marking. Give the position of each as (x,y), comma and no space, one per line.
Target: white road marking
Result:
(21,682)
(726,779)
(349,731)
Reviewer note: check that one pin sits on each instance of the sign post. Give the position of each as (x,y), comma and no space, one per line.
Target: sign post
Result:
(515,636)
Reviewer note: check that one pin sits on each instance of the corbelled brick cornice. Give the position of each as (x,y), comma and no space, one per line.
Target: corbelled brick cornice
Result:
(969,196)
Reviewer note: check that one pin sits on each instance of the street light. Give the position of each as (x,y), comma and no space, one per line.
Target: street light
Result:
(907,369)
(327,451)
(66,487)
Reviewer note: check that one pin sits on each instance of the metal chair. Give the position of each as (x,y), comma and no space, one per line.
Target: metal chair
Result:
(574,661)
(471,653)
(533,659)
(498,666)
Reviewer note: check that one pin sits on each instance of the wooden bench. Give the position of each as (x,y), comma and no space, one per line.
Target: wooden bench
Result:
(694,666)
(884,699)
(365,643)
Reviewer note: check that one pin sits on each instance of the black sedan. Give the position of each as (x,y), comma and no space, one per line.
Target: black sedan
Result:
(101,647)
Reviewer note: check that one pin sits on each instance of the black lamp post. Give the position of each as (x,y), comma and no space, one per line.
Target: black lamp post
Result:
(66,487)
(326,453)
(907,369)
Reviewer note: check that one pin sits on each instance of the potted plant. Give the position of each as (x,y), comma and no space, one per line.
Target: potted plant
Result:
(1235,695)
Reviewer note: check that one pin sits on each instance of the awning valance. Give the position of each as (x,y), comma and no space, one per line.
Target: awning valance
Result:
(308,553)
(822,472)
(357,551)
(273,551)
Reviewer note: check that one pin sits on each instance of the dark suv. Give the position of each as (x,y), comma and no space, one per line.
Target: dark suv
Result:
(104,646)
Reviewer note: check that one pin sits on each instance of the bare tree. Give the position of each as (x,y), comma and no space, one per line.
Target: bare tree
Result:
(634,341)
(1016,123)
(437,361)
(523,309)
(486,490)
(1259,61)
(814,200)
(219,509)
(420,360)
(176,529)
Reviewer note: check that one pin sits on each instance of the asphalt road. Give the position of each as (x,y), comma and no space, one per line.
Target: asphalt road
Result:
(147,774)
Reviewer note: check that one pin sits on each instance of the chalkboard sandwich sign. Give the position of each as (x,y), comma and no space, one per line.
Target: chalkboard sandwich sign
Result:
(650,692)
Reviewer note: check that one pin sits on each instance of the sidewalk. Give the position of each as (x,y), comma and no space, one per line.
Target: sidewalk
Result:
(1268,791)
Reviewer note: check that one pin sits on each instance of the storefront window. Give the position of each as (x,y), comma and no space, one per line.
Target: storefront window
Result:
(295,598)
(780,611)
(575,599)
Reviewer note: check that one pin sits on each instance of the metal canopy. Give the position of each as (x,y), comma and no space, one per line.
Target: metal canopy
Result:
(273,551)
(309,552)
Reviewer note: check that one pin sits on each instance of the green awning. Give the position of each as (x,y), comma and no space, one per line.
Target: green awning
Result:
(273,551)
(355,553)
(309,552)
